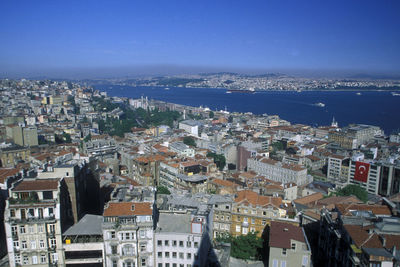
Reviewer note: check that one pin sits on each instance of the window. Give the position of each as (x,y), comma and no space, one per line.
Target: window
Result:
(181,255)
(16,244)
(196,244)
(245,230)
(142,234)
(23,214)
(142,248)
(34,260)
(41,243)
(159,254)
(31,229)
(181,243)
(283,263)
(263,222)
(25,260)
(264,213)
(284,251)
(128,264)
(112,234)
(31,213)
(143,262)
(17,258)
(22,229)
(40,228)
(238,228)
(24,245)
(166,243)
(166,254)
(189,256)
(174,255)
(227,207)
(305,261)
(167,265)
(160,265)
(14,230)
(53,242)
(33,244)
(12,213)
(54,257)
(174,265)
(52,228)
(252,229)
(253,221)
(51,212)
(114,263)
(275,263)
(43,258)
(222,217)
(188,244)
(113,249)
(159,243)
(174,243)
(294,246)
(127,250)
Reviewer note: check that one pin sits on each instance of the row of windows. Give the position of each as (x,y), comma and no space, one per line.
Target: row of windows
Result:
(33,244)
(175,243)
(176,255)
(174,265)
(32,229)
(25,260)
(29,213)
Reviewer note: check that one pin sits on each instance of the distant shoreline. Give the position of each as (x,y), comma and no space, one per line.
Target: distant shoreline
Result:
(360,90)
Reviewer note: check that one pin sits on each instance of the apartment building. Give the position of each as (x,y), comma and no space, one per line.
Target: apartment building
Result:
(278,171)
(128,227)
(288,246)
(35,214)
(252,212)
(177,239)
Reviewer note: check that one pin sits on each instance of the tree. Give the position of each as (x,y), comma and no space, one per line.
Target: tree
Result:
(355,190)
(187,140)
(219,160)
(211,114)
(163,190)
(246,247)
(67,138)
(87,138)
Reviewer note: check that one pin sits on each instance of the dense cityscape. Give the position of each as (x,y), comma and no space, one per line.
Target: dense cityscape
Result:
(262,82)
(89,179)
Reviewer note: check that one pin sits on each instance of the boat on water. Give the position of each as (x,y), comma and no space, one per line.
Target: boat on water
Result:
(251,91)
(395,94)
(166,88)
(358,93)
(319,104)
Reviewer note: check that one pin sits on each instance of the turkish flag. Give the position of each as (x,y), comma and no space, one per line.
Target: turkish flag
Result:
(361,173)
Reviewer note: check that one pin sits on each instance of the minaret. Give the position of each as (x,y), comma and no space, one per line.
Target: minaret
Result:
(334,123)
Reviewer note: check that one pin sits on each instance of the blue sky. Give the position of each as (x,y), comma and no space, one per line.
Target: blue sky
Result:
(357,35)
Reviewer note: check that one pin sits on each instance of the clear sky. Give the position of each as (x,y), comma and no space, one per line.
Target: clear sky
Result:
(37,36)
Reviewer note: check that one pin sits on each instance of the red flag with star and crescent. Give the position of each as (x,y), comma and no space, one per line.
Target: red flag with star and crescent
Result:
(361,173)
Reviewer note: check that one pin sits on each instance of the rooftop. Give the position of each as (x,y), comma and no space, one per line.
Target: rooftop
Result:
(89,225)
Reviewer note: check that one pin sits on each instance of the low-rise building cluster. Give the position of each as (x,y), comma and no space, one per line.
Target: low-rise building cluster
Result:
(79,187)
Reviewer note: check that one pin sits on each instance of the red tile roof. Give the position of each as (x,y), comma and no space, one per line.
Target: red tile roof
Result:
(37,185)
(250,197)
(345,209)
(5,173)
(125,209)
(281,234)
